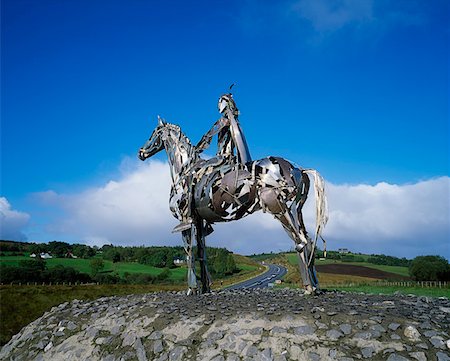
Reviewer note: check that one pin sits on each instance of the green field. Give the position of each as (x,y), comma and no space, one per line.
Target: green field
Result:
(403,271)
(84,266)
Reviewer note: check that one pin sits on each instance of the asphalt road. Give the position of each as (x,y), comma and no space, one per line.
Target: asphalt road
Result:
(275,272)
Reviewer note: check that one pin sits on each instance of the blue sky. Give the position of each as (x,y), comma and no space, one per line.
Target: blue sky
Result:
(357,89)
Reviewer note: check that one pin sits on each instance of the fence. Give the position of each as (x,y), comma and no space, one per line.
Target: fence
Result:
(423,284)
(50,284)
(419,284)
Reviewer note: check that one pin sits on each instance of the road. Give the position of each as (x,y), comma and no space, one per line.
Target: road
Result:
(274,272)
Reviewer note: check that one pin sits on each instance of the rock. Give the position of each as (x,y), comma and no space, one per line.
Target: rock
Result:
(438,342)
(158,346)
(295,352)
(441,356)
(71,326)
(218,358)
(320,325)
(177,353)
(277,329)
(394,326)
(303,330)
(334,334)
(232,357)
(140,351)
(48,347)
(363,335)
(216,335)
(430,333)
(155,335)
(419,356)
(412,333)
(162,357)
(346,328)
(377,319)
(313,356)
(266,355)
(129,339)
(396,357)
(251,351)
(256,331)
(378,329)
(280,358)
(367,352)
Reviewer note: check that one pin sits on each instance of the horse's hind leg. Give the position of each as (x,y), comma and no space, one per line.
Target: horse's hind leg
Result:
(303,248)
(188,247)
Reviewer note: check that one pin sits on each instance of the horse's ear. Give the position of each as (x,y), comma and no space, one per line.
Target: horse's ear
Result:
(161,121)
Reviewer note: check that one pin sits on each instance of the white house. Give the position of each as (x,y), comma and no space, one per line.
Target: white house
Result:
(178,261)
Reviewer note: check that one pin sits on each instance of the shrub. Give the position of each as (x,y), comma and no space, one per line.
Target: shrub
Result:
(430,268)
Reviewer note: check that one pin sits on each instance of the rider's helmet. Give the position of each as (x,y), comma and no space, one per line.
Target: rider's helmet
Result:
(226,101)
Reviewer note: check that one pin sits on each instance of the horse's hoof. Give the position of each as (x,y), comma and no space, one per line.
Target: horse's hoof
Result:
(309,290)
(191,291)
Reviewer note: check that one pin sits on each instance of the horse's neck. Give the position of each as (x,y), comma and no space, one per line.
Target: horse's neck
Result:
(180,155)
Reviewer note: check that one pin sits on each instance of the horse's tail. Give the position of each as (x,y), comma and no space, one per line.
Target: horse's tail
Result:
(321,208)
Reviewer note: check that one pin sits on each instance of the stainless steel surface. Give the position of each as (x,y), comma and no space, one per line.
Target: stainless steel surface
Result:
(231,186)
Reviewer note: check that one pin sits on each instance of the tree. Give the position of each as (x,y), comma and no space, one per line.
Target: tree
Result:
(58,249)
(430,268)
(116,257)
(97,264)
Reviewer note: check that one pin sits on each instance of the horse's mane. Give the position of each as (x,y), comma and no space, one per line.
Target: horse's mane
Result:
(177,129)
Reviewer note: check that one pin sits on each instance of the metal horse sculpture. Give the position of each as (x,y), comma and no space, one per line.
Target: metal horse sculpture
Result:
(219,191)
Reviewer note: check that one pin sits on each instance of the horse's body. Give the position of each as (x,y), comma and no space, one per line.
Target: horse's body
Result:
(219,190)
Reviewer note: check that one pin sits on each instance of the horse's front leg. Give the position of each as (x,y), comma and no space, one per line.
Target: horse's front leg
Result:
(201,254)
(190,261)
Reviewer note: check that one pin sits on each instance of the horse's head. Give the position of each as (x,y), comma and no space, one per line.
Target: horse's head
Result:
(155,143)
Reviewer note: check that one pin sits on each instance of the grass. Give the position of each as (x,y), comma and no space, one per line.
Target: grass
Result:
(13,260)
(245,265)
(84,266)
(21,305)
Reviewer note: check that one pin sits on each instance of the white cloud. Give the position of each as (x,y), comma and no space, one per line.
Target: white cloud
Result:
(132,210)
(12,222)
(402,220)
(387,218)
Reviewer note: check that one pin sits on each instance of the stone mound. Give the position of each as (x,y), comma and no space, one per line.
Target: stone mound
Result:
(239,325)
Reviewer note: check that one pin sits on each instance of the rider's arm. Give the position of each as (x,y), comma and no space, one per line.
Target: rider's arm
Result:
(206,139)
